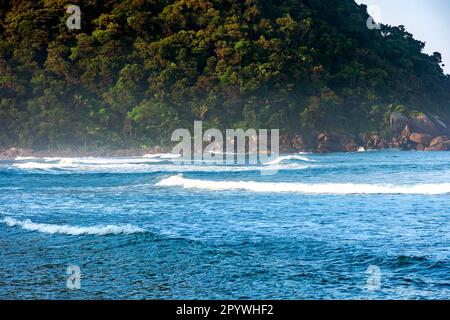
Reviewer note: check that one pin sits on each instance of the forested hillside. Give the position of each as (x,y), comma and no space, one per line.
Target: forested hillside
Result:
(139,69)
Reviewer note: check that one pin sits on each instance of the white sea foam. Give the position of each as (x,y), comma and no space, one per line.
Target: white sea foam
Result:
(63,163)
(71,230)
(305,188)
(25,158)
(115,161)
(83,163)
(170,156)
(50,159)
(289,157)
(152,156)
(142,165)
(162,156)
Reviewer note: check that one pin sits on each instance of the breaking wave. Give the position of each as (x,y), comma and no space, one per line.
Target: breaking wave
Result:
(72,230)
(162,156)
(288,158)
(315,188)
(63,163)
(25,158)
(148,164)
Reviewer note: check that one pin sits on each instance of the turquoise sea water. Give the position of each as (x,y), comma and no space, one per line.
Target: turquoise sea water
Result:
(146,228)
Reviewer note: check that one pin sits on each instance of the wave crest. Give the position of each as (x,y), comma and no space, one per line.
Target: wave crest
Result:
(289,157)
(72,230)
(145,164)
(319,188)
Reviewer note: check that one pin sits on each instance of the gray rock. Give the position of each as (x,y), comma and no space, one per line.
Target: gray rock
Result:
(423,124)
(398,122)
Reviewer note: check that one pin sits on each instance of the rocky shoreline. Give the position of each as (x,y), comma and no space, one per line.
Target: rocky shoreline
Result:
(14,152)
(422,133)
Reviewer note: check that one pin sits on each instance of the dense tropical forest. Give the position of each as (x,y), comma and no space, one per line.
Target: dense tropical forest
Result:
(138,69)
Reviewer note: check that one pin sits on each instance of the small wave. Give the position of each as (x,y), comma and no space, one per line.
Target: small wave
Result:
(72,230)
(141,165)
(85,163)
(24,158)
(364,150)
(162,156)
(321,188)
(289,157)
(152,156)
(116,161)
(63,163)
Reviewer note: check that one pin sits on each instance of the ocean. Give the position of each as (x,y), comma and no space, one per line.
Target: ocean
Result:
(368,225)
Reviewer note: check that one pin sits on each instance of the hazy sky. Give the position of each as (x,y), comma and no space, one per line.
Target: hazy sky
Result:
(427,20)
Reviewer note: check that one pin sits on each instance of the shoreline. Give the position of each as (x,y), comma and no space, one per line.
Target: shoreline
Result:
(15,153)
(420,133)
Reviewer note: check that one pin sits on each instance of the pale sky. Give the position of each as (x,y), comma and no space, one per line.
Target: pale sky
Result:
(427,20)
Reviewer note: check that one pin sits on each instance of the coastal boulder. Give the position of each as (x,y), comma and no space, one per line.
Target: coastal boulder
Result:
(402,143)
(298,143)
(423,124)
(373,141)
(327,142)
(395,143)
(350,146)
(156,150)
(285,145)
(406,132)
(441,124)
(10,153)
(293,143)
(421,138)
(420,147)
(441,143)
(335,142)
(398,122)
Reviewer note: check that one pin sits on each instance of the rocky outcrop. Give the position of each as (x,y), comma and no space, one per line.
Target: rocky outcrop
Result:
(374,141)
(158,149)
(423,124)
(398,122)
(335,142)
(11,153)
(440,124)
(406,132)
(421,138)
(422,132)
(327,143)
(350,146)
(441,143)
(299,143)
